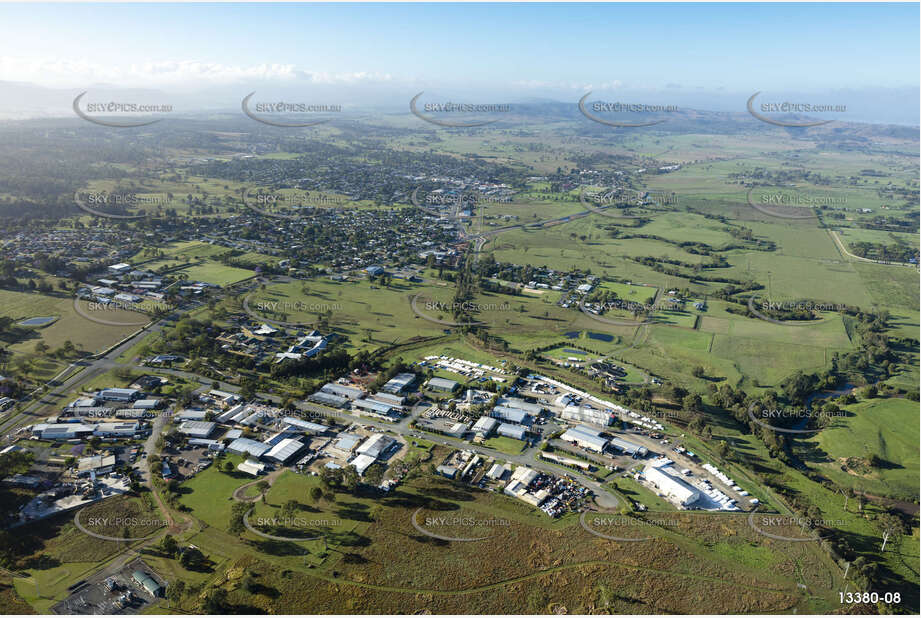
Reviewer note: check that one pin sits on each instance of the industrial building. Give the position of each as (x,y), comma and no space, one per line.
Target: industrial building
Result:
(117,430)
(251,466)
(118,394)
(399,383)
(245,446)
(585,437)
(671,484)
(512,415)
(61,431)
(328,399)
(583,414)
(376,446)
(285,450)
(305,426)
(511,431)
(534,409)
(197,429)
(484,426)
(346,444)
(146,581)
(634,450)
(98,464)
(340,390)
(362,463)
(377,408)
(442,385)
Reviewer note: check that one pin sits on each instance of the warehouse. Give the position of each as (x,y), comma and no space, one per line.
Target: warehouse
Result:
(670,484)
(497,472)
(305,426)
(147,404)
(117,430)
(61,431)
(442,385)
(346,444)
(634,450)
(534,409)
(285,450)
(586,437)
(512,415)
(399,383)
(328,399)
(191,415)
(376,407)
(213,445)
(118,394)
(245,446)
(279,436)
(98,464)
(484,426)
(349,392)
(584,414)
(394,400)
(376,446)
(197,429)
(227,417)
(511,431)
(362,463)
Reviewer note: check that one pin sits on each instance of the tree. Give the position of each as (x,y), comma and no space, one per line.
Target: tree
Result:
(192,559)
(228,467)
(168,545)
(316,494)
(214,600)
(175,590)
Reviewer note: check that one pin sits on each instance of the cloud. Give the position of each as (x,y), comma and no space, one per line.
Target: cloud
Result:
(77,73)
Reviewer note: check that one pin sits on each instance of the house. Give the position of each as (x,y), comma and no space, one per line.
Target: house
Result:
(121,268)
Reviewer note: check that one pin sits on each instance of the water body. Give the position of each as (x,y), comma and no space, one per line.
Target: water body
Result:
(571,351)
(37,321)
(571,334)
(601,337)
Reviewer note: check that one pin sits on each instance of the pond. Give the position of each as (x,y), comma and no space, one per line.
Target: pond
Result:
(37,321)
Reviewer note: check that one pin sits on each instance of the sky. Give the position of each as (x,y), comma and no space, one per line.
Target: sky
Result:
(554,51)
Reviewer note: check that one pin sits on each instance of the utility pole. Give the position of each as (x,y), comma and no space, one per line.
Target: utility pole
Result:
(885,540)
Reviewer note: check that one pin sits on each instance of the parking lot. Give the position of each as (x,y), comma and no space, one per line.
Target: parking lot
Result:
(110,593)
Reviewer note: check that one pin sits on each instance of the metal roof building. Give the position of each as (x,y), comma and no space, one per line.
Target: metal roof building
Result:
(340,390)
(362,462)
(328,399)
(484,426)
(399,382)
(629,447)
(511,415)
(285,450)
(511,431)
(197,429)
(671,485)
(586,437)
(376,445)
(304,425)
(442,385)
(375,406)
(533,409)
(245,446)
